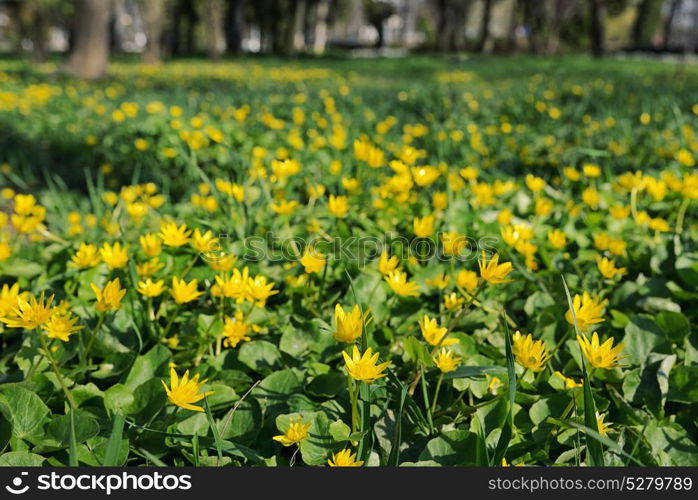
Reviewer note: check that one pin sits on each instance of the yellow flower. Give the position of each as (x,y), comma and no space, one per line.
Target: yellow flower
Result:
(492,271)
(446,361)
(221,263)
(364,368)
(453,243)
(29,314)
(426,175)
(603,356)
(184,392)
(204,242)
(235,330)
(587,309)
(173,235)
(149,267)
(109,298)
(453,301)
(439,281)
(61,326)
(506,464)
(115,256)
(85,257)
(529,353)
(344,458)
(439,201)
(313,260)
(557,238)
(433,333)
(591,170)
(620,212)
(608,268)
(349,325)
(8,299)
(467,280)
(387,265)
(399,284)
(534,183)
(493,385)
(5,251)
(232,287)
(424,226)
(338,206)
(259,290)
(297,431)
(150,244)
(151,288)
(184,292)
(602,427)
(284,207)
(569,382)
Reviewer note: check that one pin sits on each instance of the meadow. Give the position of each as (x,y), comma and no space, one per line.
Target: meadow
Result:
(424,261)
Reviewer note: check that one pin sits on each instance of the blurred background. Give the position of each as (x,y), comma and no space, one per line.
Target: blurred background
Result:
(90,32)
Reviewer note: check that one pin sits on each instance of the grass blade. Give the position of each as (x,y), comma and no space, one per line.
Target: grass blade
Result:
(594,448)
(216,434)
(508,428)
(73,450)
(394,457)
(111,456)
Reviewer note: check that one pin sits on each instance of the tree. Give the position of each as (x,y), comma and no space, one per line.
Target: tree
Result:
(215,30)
(596,12)
(646,22)
(377,11)
(235,25)
(90,50)
(153,13)
(484,32)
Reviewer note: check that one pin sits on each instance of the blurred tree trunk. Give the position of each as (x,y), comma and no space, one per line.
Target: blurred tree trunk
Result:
(215,30)
(443,36)
(321,14)
(669,23)
(299,26)
(513,24)
(648,16)
(90,54)
(153,12)
(484,32)
(235,23)
(33,25)
(596,13)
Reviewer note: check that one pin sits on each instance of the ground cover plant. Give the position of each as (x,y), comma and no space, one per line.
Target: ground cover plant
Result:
(413,262)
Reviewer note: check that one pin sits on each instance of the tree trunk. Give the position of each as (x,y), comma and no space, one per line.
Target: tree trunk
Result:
(235,26)
(648,15)
(596,9)
(90,54)
(320,38)
(215,30)
(153,12)
(669,23)
(299,26)
(484,25)
(513,24)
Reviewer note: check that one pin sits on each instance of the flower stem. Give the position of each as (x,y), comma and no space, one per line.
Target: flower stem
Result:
(54,365)
(436,392)
(87,350)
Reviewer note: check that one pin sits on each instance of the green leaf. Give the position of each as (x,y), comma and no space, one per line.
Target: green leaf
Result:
(327,386)
(260,356)
(154,363)
(25,411)
(21,459)
(118,399)
(339,431)
(642,337)
(456,447)
(674,325)
(683,384)
(671,445)
(59,429)
(273,392)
